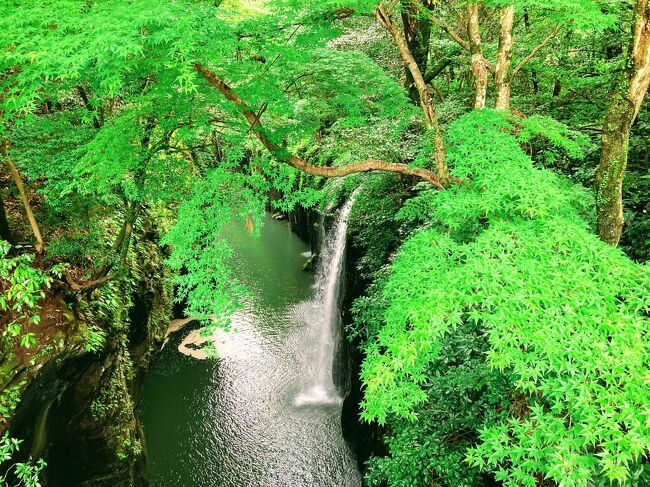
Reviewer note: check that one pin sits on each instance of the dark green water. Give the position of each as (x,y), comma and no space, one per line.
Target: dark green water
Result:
(235,422)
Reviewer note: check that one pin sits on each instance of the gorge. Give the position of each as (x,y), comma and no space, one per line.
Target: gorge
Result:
(268,411)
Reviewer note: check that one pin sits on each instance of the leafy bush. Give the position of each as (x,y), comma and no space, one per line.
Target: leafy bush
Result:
(463,395)
(372,221)
(565,316)
(26,473)
(22,289)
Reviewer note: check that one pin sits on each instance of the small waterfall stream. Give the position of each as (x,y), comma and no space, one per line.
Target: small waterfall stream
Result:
(326,312)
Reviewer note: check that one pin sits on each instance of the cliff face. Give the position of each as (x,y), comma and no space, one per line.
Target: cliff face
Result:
(367,437)
(77,406)
(310,225)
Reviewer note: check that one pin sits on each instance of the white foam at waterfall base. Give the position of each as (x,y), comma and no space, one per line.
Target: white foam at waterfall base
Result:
(317,395)
(325,312)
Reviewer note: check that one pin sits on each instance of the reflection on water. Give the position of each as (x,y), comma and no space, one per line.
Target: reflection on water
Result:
(233,422)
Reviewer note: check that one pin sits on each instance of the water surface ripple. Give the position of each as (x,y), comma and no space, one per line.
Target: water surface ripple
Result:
(235,422)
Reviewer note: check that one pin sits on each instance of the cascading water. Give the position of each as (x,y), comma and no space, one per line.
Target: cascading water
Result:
(242,420)
(325,312)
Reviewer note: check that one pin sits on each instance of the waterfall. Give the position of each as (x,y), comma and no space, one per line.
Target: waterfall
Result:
(325,311)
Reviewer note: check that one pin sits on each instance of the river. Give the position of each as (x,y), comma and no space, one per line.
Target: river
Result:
(266,413)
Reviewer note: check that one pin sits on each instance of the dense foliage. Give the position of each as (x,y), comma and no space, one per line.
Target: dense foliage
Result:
(564,316)
(502,339)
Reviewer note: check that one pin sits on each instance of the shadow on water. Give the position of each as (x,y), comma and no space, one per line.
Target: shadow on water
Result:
(240,421)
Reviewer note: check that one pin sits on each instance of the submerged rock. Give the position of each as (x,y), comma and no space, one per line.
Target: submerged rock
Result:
(196,345)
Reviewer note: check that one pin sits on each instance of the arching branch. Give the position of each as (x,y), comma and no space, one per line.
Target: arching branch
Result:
(537,48)
(284,156)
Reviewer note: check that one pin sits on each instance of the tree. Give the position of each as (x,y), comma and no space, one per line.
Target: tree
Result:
(504,57)
(554,13)
(479,64)
(621,113)
(425,93)
(417,32)
(510,257)
(142,150)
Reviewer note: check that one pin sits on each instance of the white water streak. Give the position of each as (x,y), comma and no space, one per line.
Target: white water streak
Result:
(327,312)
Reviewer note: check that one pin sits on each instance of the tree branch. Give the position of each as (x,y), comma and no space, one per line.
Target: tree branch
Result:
(87,285)
(444,26)
(84,97)
(534,52)
(441,65)
(15,175)
(452,33)
(285,157)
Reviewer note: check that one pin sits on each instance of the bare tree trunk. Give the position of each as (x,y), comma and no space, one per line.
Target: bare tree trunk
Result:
(479,68)
(504,58)
(5,231)
(622,111)
(427,102)
(417,32)
(15,175)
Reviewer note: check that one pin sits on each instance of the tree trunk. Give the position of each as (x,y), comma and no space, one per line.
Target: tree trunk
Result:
(15,175)
(417,32)
(479,68)
(504,58)
(5,231)
(623,110)
(425,93)
(533,73)
(121,244)
(557,88)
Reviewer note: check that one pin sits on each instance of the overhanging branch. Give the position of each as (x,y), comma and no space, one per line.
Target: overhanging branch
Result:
(283,155)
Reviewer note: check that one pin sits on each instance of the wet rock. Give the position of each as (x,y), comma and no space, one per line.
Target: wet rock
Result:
(308,266)
(78,410)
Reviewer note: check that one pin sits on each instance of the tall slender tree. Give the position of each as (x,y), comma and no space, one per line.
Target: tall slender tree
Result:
(504,57)
(479,66)
(417,32)
(621,113)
